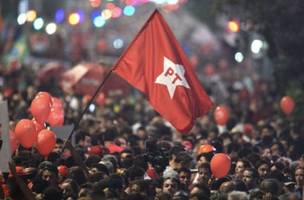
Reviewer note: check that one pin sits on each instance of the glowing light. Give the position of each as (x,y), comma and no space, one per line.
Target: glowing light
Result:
(99,21)
(118,43)
(51,28)
(21,19)
(130,2)
(106,14)
(239,57)
(256,46)
(38,23)
(59,15)
(95,3)
(110,6)
(172,2)
(159,1)
(81,16)
(94,14)
(129,10)
(23,6)
(233,26)
(31,15)
(116,12)
(74,18)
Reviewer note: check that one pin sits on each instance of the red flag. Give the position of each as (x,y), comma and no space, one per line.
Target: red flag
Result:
(156,65)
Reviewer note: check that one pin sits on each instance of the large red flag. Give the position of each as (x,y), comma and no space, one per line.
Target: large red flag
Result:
(156,65)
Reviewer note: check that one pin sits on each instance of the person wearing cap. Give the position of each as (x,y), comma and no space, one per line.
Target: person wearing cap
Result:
(204,154)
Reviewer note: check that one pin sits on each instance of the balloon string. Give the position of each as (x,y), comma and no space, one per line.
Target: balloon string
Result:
(86,109)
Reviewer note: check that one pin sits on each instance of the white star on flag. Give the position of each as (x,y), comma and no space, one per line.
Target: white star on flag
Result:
(172,76)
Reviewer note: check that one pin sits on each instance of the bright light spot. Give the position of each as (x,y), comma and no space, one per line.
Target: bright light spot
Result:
(21,18)
(38,23)
(51,28)
(81,16)
(118,43)
(74,18)
(256,46)
(106,14)
(59,15)
(110,6)
(129,10)
(94,14)
(159,1)
(99,21)
(130,2)
(23,6)
(31,15)
(239,57)
(95,3)
(172,2)
(116,12)
(234,26)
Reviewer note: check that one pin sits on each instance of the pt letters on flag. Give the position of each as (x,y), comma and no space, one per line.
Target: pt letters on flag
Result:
(155,64)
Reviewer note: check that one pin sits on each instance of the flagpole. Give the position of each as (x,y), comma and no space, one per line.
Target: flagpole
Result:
(103,82)
(87,107)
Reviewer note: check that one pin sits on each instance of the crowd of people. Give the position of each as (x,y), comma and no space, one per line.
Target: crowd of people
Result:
(128,151)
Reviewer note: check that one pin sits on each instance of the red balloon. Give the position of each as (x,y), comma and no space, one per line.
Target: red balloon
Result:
(221,115)
(38,126)
(46,142)
(13,141)
(56,117)
(44,95)
(220,165)
(287,105)
(40,109)
(57,103)
(26,133)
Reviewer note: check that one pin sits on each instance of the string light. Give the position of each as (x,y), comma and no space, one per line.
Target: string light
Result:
(233,26)
(51,28)
(21,19)
(118,43)
(74,19)
(116,12)
(31,15)
(38,23)
(106,14)
(129,10)
(99,21)
(59,15)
